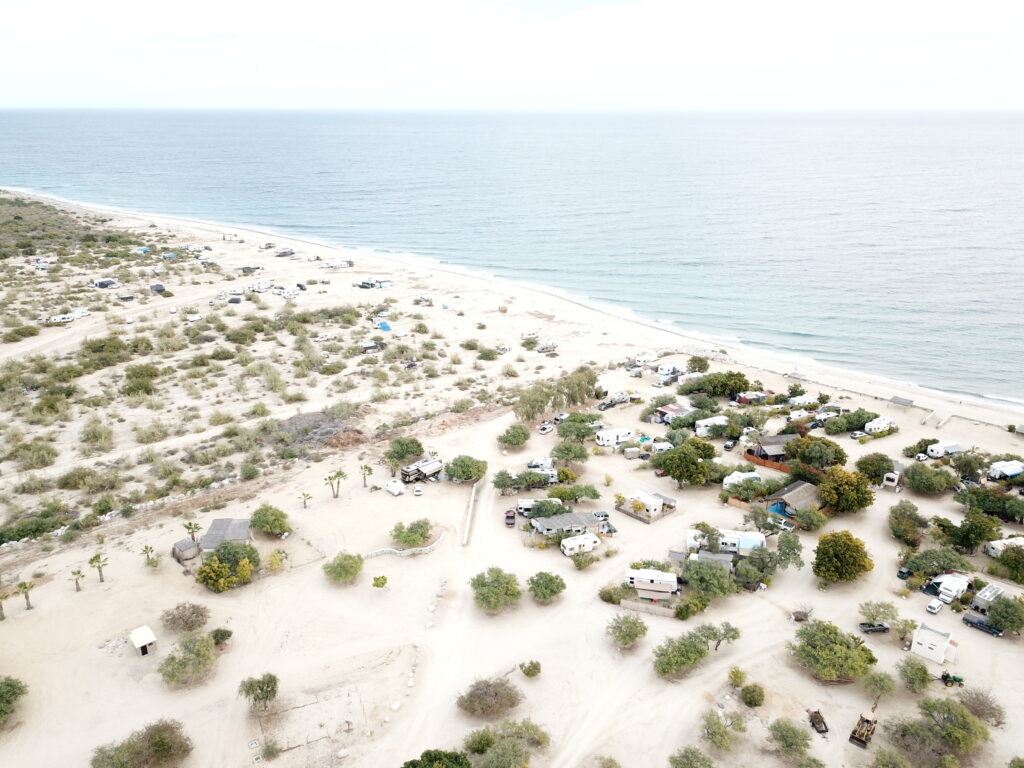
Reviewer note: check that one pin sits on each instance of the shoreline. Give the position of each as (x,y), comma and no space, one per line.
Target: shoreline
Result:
(973,407)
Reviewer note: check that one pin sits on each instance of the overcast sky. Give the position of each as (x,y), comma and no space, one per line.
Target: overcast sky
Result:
(514,54)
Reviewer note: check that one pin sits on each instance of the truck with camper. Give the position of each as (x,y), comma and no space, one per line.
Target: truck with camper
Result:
(612,438)
(950,586)
(428,468)
(984,598)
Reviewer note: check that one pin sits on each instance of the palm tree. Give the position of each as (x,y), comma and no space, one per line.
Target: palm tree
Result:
(147,551)
(192,528)
(334,480)
(76,576)
(366,470)
(305,497)
(99,562)
(24,587)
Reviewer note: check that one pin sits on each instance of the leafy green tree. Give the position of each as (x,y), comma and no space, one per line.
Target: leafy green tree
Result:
(970,464)
(626,629)
(159,744)
(886,758)
(677,654)
(791,739)
(712,580)
(546,508)
(495,589)
(921,446)
(575,430)
(722,384)
(684,464)
(976,528)
(904,628)
(840,556)
(545,586)
(690,757)
(789,551)
(843,491)
(344,568)
(697,364)
(906,524)
(99,562)
(945,726)
(515,436)
(879,684)
(817,452)
(719,730)
(439,758)
(260,691)
(1007,614)
(1012,560)
(270,520)
(190,659)
(574,492)
(914,674)
(404,449)
(924,479)
(11,689)
(568,452)
(874,466)
(415,535)
(233,553)
(465,468)
(504,481)
(830,654)
(931,562)
(810,518)
(875,612)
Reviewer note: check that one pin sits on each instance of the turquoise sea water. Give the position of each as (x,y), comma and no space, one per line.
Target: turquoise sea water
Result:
(889,243)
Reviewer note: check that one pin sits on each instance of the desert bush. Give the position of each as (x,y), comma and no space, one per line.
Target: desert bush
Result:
(752,695)
(583,560)
(791,739)
(190,660)
(11,689)
(259,690)
(626,630)
(162,743)
(36,454)
(489,698)
(344,568)
(220,636)
(185,617)
(154,432)
(270,520)
(495,590)
(615,593)
(545,586)
(530,668)
(915,674)
(412,536)
(983,705)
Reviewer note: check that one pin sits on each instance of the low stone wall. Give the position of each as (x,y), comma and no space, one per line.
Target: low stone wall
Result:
(642,607)
(406,552)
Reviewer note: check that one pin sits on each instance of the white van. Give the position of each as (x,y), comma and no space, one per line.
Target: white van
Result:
(614,437)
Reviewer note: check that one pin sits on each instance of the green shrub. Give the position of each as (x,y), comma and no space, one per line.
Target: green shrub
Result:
(162,743)
(752,695)
(220,636)
(344,568)
(487,698)
(530,668)
(189,661)
(584,560)
(270,520)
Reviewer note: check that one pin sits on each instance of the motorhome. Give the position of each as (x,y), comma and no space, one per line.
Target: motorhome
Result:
(424,469)
(614,437)
(575,545)
(943,448)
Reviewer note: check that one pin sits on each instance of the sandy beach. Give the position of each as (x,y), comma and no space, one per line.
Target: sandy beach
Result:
(369,677)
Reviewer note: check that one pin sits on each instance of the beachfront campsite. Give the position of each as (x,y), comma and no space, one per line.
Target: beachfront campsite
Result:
(267,501)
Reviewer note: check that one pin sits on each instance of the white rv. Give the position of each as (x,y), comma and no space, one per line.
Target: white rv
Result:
(525,506)
(574,545)
(943,448)
(881,424)
(614,437)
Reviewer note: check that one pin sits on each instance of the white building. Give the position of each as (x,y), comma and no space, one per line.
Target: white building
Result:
(143,640)
(933,645)
(881,424)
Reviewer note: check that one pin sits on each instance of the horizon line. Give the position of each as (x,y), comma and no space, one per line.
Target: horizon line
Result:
(529,110)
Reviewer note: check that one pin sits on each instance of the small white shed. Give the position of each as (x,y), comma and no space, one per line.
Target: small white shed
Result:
(143,640)
(933,645)
(394,486)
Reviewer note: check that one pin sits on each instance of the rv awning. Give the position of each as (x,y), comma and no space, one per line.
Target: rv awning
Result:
(645,594)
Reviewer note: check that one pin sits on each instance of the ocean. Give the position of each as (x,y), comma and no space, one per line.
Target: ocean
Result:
(891,243)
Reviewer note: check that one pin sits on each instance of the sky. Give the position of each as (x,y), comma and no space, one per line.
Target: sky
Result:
(514,54)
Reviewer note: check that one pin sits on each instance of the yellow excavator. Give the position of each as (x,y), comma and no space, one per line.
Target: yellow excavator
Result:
(865,729)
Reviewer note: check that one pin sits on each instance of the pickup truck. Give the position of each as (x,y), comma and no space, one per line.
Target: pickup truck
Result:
(868,629)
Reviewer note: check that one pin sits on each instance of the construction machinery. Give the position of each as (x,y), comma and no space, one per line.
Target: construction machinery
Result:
(950,680)
(817,721)
(864,730)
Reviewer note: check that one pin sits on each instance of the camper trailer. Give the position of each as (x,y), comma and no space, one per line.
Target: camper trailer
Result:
(614,437)
(943,448)
(984,599)
(575,545)
(951,586)
(996,548)
(525,506)
(424,469)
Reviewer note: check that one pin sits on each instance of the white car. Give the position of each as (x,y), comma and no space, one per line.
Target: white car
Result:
(545,429)
(934,606)
(858,435)
(417,490)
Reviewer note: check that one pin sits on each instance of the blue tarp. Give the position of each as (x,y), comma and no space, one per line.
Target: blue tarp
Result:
(384,326)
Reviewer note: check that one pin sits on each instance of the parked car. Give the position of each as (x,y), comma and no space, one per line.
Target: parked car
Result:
(510,518)
(978,622)
(934,606)
(660,473)
(921,457)
(869,629)
(605,405)
(730,444)
(903,573)
(545,429)
(786,525)
(417,490)
(858,435)
(561,417)
(300,286)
